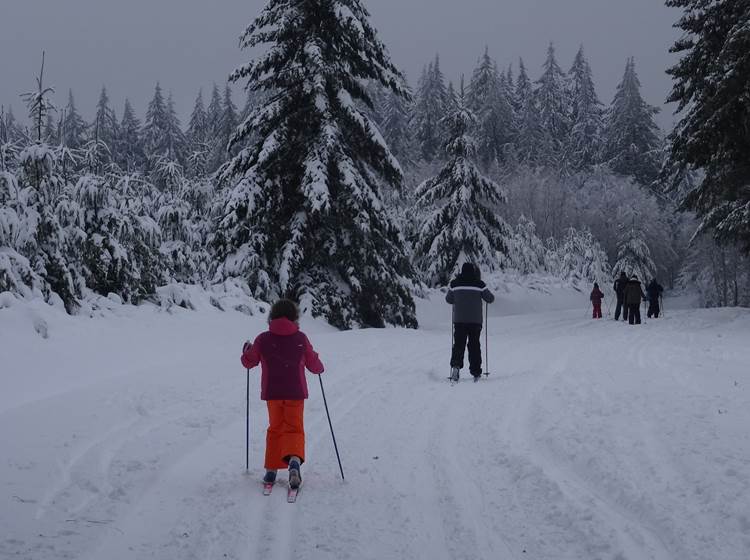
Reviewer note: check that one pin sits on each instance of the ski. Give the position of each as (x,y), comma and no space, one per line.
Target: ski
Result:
(291,495)
(267,488)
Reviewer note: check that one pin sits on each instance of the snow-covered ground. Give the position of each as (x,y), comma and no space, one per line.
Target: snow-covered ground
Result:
(122,437)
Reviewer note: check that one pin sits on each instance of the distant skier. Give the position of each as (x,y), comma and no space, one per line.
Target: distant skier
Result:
(596,299)
(619,289)
(466,294)
(283,352)
(654,291)
(633,295)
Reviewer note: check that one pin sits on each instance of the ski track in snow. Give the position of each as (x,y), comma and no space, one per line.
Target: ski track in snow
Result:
(588,440)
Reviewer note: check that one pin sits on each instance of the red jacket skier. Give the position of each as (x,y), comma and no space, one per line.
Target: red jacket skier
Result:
(596,298)
(283,353)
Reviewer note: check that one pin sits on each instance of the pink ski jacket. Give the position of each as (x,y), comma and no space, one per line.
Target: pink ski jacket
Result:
(283,352)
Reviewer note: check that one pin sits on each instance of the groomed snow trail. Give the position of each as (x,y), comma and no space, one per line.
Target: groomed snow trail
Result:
(590,439)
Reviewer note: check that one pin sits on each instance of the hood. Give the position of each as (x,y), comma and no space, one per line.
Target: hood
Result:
(468,270)
(283,326)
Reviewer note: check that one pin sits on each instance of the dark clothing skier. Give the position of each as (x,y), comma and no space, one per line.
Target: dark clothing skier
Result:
(619,289)
(596,300)
(633,295)
(654,291)
(466,293)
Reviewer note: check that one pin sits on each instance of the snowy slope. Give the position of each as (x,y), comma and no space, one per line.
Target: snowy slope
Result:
(123,437)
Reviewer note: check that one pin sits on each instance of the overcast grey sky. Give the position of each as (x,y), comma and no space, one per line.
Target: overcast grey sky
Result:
(129,45)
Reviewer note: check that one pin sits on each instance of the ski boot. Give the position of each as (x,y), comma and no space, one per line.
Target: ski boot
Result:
(295,477)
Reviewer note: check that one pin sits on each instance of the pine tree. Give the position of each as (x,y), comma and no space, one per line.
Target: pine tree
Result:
(429,109)
(554,108)
(304,218)
(531,141)
(130,156)
(197,138)
(587,116)
(461,223)
(634,256)
(106,124)
(42,188)
(484,100)
(213,115)
(228,123)
(176,141)
(712,86)
(155,128)
(74,128)
(631,140)
(397,129)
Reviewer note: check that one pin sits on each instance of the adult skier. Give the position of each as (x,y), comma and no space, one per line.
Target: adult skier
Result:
(619,289)
(596,300)
(633,295)
(466,293)
(283,352)
(654,291)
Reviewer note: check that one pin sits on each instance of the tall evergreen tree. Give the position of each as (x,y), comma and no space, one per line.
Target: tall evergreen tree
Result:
(484,99)
(213,114)
(554,107)
(530,141)
(228,123)
(197,138)
(130,154)
(176,141)
(304,218)
(632,146)
(397,128)
(105,123)
(74,128)
(461,223)
(712,87)
(587,116)
(429,109)
(155,140)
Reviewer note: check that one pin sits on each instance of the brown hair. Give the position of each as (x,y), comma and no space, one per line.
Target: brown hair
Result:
(284,308)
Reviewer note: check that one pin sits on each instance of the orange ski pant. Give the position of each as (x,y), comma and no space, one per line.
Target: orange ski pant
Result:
(285,436)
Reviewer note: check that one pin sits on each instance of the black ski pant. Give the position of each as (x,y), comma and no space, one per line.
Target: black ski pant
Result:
(463,332)
(634,314)
(653,309)
(621,307)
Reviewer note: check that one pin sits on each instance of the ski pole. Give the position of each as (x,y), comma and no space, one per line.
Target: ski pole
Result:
(338,457)
(486,336)
(247,422)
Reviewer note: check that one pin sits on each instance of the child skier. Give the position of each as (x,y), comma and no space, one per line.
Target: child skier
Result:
(283,352)
(596,299)
(466,294)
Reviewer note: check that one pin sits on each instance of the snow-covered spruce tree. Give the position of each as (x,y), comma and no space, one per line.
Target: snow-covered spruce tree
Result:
(632,145)
(227,126)
(531,143)
(106,124)
(526,253)
(74,128)
(633,255)
(41,187)
(197,140)
(397,128)
(553,103)
(214,112)
(429,109)
(580,258)
(487,98)
(711,86)
(130,156)
(302,217)
(460,205)
(587,117)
